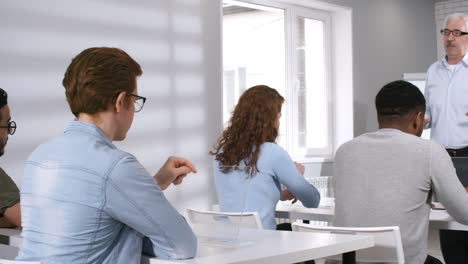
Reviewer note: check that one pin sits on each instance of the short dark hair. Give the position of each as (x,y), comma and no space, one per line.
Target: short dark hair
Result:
(96,76)
(398,99)
(3,98)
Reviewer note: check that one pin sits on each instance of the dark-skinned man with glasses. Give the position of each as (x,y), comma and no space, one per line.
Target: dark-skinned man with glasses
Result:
(447,113)
(10,214)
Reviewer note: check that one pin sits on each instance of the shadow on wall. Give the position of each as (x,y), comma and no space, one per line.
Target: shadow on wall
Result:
(178,48)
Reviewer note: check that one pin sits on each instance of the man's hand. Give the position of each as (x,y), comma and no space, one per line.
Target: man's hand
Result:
(466,113)
(300,168)
(4,223)
(13,215)
(173,171)
(287,195)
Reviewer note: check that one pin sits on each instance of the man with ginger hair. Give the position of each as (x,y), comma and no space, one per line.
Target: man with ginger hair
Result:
(86,201)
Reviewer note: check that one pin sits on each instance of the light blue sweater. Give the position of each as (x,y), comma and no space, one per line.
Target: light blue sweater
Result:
(261,193)
(85,201)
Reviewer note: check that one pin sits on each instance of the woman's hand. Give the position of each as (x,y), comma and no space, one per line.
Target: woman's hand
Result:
(287,196)
(300,168)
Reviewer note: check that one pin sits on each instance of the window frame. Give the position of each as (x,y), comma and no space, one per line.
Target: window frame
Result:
(292,120)
(291,12)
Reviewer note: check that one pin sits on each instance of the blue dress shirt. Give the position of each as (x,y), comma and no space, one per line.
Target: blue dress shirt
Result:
(85,201)
(447,102)
(261,192)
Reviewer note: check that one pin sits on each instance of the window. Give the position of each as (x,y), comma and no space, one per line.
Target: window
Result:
(286,48)
(419,80)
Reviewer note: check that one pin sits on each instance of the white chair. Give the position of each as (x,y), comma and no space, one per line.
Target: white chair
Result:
(4,261)
(244,219)
(388,247)
(8,252)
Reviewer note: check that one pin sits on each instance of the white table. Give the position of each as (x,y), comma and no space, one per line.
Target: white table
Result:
(10,236)
(438,219)
(269,246)
(298,211)
(254,246)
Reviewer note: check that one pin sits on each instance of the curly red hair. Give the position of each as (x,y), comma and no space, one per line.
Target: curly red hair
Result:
(253,122)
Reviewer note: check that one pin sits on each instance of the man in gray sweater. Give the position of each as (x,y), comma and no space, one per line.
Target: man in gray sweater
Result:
(387,177)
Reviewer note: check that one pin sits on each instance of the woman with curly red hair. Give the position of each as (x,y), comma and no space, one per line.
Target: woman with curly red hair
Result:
(249,167)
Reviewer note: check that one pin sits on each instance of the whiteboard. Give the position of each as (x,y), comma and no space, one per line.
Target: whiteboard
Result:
(419,80)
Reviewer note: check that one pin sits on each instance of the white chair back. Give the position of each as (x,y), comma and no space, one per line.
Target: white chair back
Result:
(8,252)
(4,261)
(388,247)
(244,219)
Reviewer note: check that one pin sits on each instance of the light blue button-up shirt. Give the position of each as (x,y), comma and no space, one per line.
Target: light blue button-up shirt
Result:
(85,201)
(261,192)
(447,102)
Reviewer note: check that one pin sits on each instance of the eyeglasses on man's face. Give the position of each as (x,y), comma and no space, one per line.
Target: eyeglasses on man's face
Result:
(456,33)
(11,127)
(139,102)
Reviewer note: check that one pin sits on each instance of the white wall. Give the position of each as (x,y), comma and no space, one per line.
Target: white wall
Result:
(177,43)
(390,37)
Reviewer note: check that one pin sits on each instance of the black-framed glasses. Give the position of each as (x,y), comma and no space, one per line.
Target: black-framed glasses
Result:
(139,102)
(456,33)
(11,127)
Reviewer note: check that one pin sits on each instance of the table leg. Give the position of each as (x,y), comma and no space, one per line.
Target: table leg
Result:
(349,257)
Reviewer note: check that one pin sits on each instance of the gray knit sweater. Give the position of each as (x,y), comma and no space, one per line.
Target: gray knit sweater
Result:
(386,177)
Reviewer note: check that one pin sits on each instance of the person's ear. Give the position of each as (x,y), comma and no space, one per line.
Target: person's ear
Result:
(120,102)
(420,119)
(418,122)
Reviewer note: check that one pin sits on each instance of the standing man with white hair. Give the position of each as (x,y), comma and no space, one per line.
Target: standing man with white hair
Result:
(447,113)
